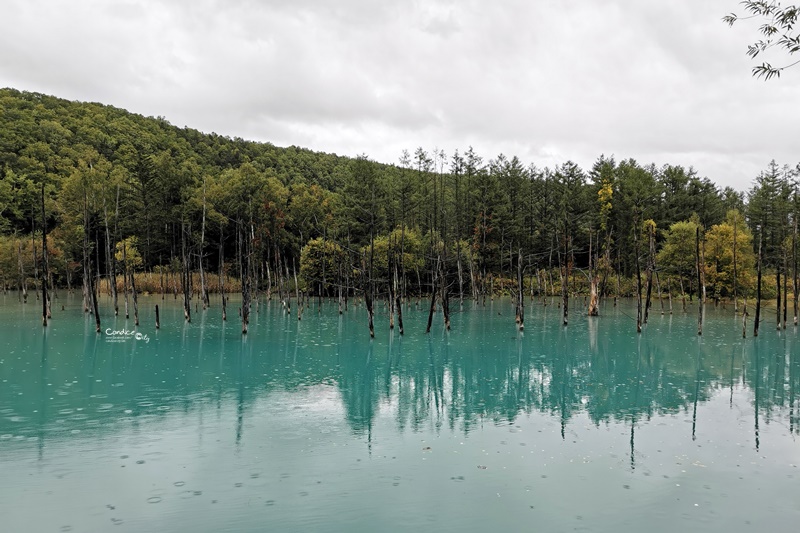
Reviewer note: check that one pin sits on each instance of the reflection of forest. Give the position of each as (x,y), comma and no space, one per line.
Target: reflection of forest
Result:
(633,382)
(455,382)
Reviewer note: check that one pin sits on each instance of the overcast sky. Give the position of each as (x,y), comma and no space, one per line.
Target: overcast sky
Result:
(546,80)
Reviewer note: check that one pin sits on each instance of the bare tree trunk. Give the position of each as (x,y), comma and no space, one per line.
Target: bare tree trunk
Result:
(135,300)
(33,250)
(368,294)
(434,272)
(23,284)
(445,290)
(460,275)
(473,281)
(669,293)
(45,297)
(638,281)
(544,289)
(735,273)
(391,286)
(794,264)
(187,308)
(125,278)
(269,277)
(744,319)
(222,274)
(651,264)
(658,288)
(112,286)
(758,283)
(785,286)
(565,282)
(683,293)
(89,281)
(339,287)
(203,289)
(244,270)
(297,292)
(398,301)
(593,281)
(699,282)
(520,293)
(778,302)
(93,295)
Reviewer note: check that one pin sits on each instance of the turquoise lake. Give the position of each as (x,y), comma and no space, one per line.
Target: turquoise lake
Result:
(311,426)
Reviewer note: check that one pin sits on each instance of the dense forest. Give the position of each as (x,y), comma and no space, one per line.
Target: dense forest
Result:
(95,197)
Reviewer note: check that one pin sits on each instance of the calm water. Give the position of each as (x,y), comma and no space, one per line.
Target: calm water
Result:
(310,426)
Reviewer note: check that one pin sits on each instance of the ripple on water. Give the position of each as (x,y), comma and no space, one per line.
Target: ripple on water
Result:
(154,499)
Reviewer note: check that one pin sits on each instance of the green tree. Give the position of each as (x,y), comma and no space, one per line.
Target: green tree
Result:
(719,255)
(677,255)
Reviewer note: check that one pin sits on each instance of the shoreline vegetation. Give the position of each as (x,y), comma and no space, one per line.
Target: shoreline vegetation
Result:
(94,198)
(151,284)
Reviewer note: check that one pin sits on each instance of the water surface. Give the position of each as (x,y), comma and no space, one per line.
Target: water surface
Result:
(310,426)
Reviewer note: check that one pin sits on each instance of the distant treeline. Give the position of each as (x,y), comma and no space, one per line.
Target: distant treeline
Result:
(117,193)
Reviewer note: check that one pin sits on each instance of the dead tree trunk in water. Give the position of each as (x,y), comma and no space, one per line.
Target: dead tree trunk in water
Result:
(339,287)
(651,265)
(444,289)
(520,293)
(135,299)
(758,283)
(778,302)
(300,305)
(461,275)
(89,285)
(398,301)
(391,286)
(368,291)
(669,293)
(785,286)
(23,285)
(794,265)
(222,274)
(699,283)
(593,281)
(565,281)
(187,310)
(203,288)
(244,274)
(113,257)
(93,296)
(744,319)
(434,272)
(33,251)
(45,296)
(735,273)
(638,280)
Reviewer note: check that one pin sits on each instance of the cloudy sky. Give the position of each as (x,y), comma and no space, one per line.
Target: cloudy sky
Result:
(546,80)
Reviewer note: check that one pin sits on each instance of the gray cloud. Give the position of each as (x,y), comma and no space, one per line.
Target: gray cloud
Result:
(547,81)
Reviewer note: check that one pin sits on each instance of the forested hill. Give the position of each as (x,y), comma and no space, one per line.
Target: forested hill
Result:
(45,134)
(179,198)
